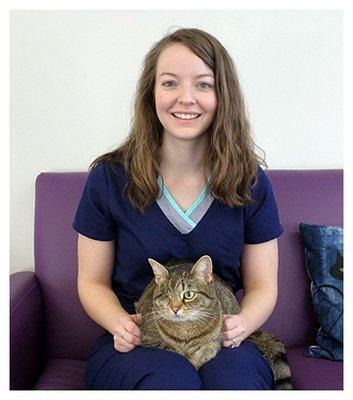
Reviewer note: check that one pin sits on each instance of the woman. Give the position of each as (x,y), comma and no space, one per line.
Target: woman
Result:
(185,183)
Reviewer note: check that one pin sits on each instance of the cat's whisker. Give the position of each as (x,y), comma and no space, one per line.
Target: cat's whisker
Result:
(198,318)
(154,316)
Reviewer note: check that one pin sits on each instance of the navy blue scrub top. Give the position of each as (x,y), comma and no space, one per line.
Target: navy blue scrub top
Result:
(165,231)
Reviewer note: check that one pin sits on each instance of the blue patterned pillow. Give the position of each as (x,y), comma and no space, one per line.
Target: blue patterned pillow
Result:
(324,260)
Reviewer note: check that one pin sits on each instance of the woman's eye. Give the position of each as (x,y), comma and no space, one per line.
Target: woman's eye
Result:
(189,295)
(205,85)
(168,84)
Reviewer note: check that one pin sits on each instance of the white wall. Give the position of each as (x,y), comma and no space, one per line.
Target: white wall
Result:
(74,73)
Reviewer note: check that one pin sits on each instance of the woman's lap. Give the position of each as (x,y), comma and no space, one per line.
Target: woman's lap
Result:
(148,368)
(239,368)
(142,368)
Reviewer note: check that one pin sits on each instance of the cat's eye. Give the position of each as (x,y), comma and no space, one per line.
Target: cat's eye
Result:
(189,295)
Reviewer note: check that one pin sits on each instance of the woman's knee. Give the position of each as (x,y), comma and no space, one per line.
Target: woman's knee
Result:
(171,371)
(242,368)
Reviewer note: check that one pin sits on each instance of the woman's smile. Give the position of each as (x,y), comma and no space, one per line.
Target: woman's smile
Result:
(185,118)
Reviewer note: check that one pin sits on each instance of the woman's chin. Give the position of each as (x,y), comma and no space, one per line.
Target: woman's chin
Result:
(184,134)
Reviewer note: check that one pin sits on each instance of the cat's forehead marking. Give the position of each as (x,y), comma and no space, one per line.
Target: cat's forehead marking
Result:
(181,286)
(180,279)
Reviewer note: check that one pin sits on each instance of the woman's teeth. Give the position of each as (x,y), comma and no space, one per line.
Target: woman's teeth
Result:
(186,116)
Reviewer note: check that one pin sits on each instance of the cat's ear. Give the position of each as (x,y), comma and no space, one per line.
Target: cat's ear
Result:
(203,269)
(160,272)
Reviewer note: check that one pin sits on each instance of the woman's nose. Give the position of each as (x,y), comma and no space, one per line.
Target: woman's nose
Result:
(187,96)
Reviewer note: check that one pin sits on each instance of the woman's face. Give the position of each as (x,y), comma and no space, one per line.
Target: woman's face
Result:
(185,93)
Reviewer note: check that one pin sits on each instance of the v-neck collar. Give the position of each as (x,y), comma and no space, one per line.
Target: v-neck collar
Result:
(185,215)
(166,224)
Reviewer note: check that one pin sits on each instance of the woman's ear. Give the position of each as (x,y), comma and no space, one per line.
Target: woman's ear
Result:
(203,269)
(160,272)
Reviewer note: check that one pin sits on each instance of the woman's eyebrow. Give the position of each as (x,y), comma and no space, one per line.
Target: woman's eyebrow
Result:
(198,76)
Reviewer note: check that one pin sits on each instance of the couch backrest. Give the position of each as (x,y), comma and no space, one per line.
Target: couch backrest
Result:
(314,197)
(310,196)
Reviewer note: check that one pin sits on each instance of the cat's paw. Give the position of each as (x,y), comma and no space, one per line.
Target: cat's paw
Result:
(204,354)
(197,363)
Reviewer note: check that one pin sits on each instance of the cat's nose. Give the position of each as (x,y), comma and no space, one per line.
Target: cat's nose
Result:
(175,310)
(175,305)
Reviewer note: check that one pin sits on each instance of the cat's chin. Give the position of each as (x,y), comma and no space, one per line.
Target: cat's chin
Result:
(179,318)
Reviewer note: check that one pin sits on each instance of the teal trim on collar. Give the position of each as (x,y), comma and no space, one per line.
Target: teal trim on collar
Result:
(194,205)
(197,202)
(174,204)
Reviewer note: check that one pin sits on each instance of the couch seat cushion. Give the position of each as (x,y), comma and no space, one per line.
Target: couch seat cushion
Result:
(63,374)
(314,373)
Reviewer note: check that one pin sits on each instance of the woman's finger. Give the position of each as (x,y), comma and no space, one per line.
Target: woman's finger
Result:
(232,327)
(132,339)
(122,345)
(132,328)
(136,318)
(122,348)
(231,322)
(235,342)
(127,337)
(229,335)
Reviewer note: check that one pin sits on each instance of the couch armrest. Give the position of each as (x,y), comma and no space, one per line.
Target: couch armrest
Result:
(26,330)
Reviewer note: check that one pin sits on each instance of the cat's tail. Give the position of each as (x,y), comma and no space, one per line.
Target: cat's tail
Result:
(282,375)
(275,354)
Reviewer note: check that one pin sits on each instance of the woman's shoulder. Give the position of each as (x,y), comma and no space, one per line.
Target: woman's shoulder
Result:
(261,183)
(261,175)
(103,175)
(108,169)
(260,172)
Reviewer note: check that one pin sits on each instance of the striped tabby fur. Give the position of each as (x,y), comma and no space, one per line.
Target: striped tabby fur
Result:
(182,310)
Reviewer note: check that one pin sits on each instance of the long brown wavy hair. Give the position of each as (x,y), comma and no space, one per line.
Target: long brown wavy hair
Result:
(230,154)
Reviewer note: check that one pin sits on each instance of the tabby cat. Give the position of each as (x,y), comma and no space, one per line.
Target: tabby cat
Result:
(182,311)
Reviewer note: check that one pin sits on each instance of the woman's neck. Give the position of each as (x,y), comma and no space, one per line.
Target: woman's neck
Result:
(182,158)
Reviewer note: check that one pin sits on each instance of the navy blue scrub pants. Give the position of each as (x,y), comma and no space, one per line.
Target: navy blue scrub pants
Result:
(241,368)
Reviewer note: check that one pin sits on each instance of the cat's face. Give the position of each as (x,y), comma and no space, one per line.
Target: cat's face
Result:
(185,292)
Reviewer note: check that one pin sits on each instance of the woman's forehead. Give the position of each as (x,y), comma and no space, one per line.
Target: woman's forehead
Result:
(178,60)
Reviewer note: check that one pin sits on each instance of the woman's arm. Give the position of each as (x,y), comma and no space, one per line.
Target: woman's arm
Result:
(259,264)
(95,267)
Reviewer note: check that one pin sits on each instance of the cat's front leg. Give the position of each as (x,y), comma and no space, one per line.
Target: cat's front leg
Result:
(152,339)
(203,354)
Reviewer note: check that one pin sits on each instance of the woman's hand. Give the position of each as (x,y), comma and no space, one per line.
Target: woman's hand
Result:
(232,330)
(127,334)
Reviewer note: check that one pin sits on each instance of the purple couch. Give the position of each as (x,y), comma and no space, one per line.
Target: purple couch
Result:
(51,334)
